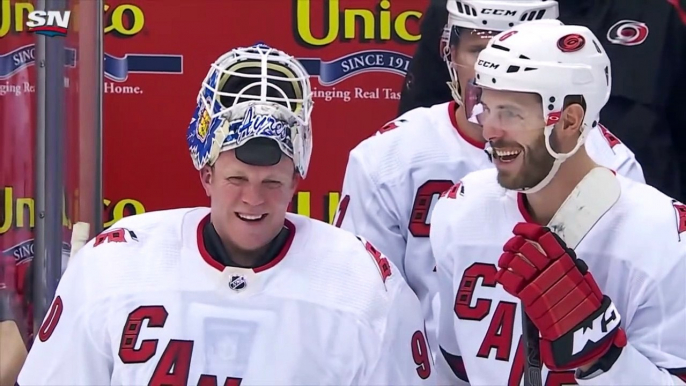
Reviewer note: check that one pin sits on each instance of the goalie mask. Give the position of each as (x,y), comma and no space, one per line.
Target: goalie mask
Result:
(481,20)
(258,101)
(551,60)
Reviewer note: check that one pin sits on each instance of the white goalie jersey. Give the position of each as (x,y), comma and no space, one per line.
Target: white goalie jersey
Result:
(145,304)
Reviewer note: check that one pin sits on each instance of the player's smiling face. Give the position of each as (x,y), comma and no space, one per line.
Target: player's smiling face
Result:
(513,125)
(249,203)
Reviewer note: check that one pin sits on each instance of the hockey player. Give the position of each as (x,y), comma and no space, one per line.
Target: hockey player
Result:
(393,179)
(610,312)
(240,293)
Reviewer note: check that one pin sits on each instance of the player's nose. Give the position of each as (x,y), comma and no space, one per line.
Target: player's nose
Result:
(491,130)
(251,194)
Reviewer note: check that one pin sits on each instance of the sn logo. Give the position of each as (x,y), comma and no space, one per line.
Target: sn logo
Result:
(603,324)
(49,23)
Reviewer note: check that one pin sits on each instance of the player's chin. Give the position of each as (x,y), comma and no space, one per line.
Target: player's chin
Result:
(512,179)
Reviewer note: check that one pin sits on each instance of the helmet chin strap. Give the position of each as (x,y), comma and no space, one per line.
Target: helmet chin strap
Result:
(559,159)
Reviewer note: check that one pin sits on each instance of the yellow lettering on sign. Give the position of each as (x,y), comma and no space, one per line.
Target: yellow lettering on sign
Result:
(121,209)
(20,212)
(302,203)
(372,24)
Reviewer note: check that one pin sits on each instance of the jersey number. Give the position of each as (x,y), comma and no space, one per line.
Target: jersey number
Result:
(419,217)
(342,209)
(499,335)
(421,355)
(51,320)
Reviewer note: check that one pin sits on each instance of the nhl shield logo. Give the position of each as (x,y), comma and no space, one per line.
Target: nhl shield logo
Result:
(237,283)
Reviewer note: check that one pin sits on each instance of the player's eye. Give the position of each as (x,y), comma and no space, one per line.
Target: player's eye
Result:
(271,184)
(510,114)
(237,180)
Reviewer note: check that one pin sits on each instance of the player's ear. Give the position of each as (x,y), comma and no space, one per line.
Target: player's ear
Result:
(296,181)
(573,116)
(206,175)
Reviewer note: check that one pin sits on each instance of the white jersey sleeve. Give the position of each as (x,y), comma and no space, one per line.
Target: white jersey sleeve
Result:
(404,357)
(449,363)
(71,347)
(655,319)
(365,209)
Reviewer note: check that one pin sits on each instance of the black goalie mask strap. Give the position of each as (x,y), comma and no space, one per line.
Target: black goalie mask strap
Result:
(259,151)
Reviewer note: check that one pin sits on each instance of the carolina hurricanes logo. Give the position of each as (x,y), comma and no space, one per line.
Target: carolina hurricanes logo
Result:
(571,43)
(628,33)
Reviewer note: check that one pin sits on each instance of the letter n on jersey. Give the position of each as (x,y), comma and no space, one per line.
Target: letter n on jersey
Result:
(499,335)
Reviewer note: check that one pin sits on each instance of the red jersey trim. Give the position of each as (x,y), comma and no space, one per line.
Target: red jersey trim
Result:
(219,267)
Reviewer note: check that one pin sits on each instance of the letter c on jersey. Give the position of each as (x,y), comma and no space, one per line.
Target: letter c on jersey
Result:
(175,362)
(128,353)
(419,226)
(463,300)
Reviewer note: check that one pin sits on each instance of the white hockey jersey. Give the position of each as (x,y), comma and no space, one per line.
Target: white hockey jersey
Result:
(636,253)
(145,304)
(394,178)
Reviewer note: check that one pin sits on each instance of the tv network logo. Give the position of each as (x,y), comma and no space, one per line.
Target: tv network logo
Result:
(49,23)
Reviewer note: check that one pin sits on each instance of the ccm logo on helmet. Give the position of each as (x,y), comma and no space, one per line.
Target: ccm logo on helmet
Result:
(498,12)
(628,33)
(484,63)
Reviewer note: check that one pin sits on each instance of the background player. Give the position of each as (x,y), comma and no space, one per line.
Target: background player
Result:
(393,178)
(646,111)
(240,292)
(621,325)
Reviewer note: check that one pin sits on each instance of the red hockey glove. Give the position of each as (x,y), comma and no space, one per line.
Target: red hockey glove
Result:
(578,324)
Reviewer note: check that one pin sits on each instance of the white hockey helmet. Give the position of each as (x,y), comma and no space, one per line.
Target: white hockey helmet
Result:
(552,60)
(248,93)
(488,17)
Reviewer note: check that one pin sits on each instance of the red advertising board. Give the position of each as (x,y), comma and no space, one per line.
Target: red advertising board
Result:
(156,55)
(356,50)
